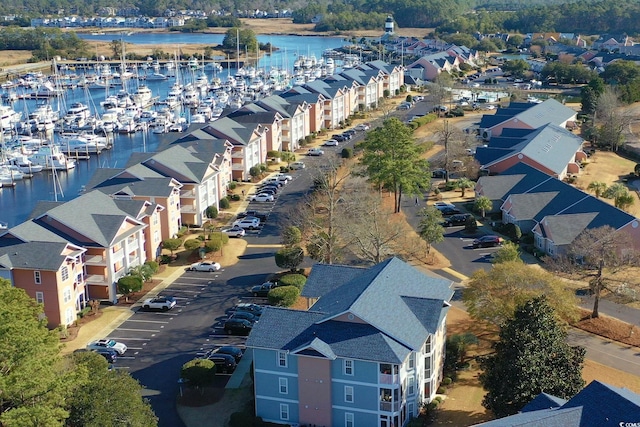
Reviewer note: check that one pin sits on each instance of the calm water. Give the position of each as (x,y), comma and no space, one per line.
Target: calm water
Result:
(17,203)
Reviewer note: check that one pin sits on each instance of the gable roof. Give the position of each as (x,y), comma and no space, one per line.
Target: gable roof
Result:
(534,115)
(18,254)
(419,300)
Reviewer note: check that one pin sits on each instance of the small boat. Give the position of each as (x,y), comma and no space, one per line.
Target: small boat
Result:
(24,165)
(51,157)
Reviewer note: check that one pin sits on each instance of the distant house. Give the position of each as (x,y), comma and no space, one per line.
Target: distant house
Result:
(368,352)
(549,148)
(554,211)
(597,405)
(526,116)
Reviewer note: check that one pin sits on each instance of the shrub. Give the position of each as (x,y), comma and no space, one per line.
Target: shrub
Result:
(183,230)
(254,171)
(153,266)
(232,185)
(84,312)
(409,98)
(165,259)
(274,153)
(432,406)
(235,197)
(347,153)
(129,284)
(223,238)
(198,372)
(283,296)
(438,399)
(224,203)
(451,185)
(512,231)
(297,280)
(291,236)
(441,390)
(171,244)
(192,244)
(446,381)
(213,245)
(284,169)
(289,258)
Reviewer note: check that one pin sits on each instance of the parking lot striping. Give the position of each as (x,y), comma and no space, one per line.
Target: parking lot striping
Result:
(127,357)
(134,348)
(187,284)
(130,339)
(146,321)
(138,330)
(189,292)
(265,246)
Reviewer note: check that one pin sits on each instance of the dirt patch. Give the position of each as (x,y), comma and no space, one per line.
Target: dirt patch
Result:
(13,57)
(610,328)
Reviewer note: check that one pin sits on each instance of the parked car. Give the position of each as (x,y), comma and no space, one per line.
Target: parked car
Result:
(487,241)
(362,127)
(331,143)
(439,173)
(262,216)
(262,290)
(283,177)
(234,326)
(339,137)
(205,266)
(119,347)
(404,106)
(249,307)
(108,353)
(159,303)
(297,165)
(442,205)
(230,350)
(262,197)
(446,211)
(315,152)
(268,190)
(244,315)
(418,98)
(457,219)
(349,132)
(234,231)
(224,362)
(248,223)
(274,181)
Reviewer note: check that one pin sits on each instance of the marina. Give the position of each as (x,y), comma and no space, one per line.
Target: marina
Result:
(58,128)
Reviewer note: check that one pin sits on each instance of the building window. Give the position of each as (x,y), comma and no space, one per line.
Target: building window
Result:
(282,359)
(348,419)
(411,410)
(427,345)
(68,317)
(412,386)
(66,294)
(284,411)
(40,297)
(64,272)
(348,367)
(284,385)
(412,360)
(37,278)
(427,367)
(348,394)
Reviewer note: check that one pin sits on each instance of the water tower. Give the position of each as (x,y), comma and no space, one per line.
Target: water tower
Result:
(388,25)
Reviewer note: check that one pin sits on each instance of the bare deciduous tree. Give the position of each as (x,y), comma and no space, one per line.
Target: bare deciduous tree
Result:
(611,120)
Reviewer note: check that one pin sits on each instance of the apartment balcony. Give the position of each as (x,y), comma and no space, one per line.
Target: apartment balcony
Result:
(188,194)
(96,279)
(237,167)
(187,209)
(389,406)
(237,155)
(95,260)
(388,378)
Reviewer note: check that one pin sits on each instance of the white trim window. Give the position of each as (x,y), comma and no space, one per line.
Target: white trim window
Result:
(348,419)
(348,366)
(284,411)
(40,297)
(348,394)
(37,277)
(69,316)
(412,386)
(64,273)
(283,385)
(282,359)
(66,295)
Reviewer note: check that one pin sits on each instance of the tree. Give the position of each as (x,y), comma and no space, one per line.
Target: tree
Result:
(144,272)
(33,382)
(516,67)
(492,296)
(620,195)
(598,188)
(211,212)
(290,258)
(457,346)
(198,372)
(590,94)
(463,184)
(106,398)
(507,253)
(192,244)
(596,255)
(288,156)
(128,285)
(429,228)
(483,204)
(392,160)
(612,122)
(242,38)
(531,357)
(291,236)
(172,244)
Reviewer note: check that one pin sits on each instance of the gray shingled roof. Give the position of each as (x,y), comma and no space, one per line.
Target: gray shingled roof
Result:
(497,187)
(184,164)
(563,229)
(418,301)
(31,255)
(549,111)
(235,132)
(529,205)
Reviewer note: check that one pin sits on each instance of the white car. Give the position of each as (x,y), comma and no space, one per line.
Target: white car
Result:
(159,303)
(283,177)
(331,143)
(315,152)
(107,343)
(262,197)
(362,126)
(235,231)
(297,165)
(205,266)
(250,223)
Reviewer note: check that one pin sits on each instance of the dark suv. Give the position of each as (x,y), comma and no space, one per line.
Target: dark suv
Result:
(262,216)
(457,219)
(487,241)
(339,138)
(254,309)
(263,290)
(235,326)
(224,362)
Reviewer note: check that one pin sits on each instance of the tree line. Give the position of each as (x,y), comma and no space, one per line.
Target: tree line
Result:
(45,43)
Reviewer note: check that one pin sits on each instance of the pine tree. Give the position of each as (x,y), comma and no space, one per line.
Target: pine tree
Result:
(531,357)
